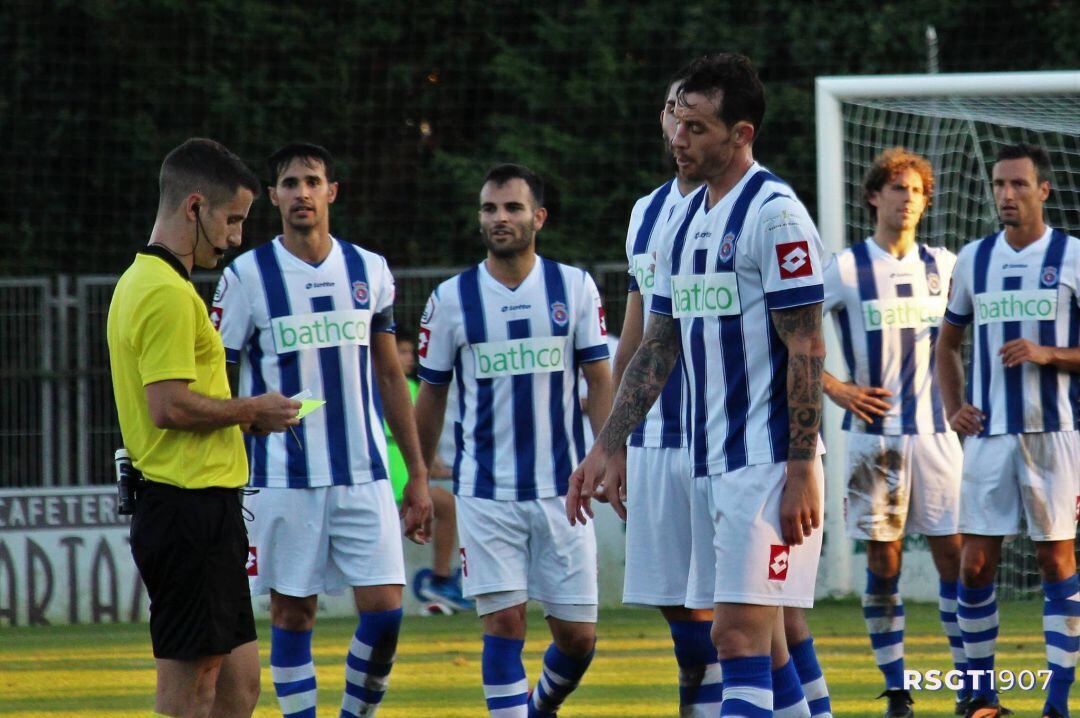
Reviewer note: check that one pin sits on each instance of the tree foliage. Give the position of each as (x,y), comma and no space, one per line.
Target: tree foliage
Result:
(417,100)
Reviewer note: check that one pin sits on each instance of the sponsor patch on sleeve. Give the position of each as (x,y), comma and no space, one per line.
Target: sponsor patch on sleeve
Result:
(793,258)
(422,341)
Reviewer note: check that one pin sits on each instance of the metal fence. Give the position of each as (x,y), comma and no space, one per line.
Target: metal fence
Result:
(58,422)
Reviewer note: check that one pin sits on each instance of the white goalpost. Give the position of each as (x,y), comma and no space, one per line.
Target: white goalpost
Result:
(958,121)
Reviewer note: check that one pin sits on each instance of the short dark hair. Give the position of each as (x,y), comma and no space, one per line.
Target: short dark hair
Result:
(204,166)
(732,76)
(308,151)
(679,77)
(501,174)
(890,163)
(1037,155)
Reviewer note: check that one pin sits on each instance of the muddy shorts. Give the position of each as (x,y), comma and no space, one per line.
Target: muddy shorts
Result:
(1009,473)
(899,485)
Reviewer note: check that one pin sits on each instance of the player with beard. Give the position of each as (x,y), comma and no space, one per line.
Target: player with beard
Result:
(512,332)
(738,293)
(310,312)
(1020,288)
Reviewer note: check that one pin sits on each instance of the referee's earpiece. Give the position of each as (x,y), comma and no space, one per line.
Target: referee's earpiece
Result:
(196,208)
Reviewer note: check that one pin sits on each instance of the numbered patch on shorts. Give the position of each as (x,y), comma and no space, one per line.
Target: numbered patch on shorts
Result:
(464,565)
(778,562)
(252,561)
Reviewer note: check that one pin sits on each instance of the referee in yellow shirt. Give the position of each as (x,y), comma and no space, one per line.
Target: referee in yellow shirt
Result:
(182,432)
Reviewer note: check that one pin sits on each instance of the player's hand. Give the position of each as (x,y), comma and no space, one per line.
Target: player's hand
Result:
(612,487)
(254,430)
(274,412)
(800,503)
(416,512)
(967,420)
(865,402)
(1016,352)
(583,485)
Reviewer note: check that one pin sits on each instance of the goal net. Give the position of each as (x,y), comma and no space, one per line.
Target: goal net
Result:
(958,122)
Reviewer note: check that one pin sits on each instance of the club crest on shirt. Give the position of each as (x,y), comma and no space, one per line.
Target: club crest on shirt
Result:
(360,291)
(559,315)
(727,247)
(1049,276)
(933,283)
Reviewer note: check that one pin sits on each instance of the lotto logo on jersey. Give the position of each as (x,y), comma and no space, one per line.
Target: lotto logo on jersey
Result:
(778,562)
(794,260)
(422,342)
(215,317)
(252,561)
(603,322)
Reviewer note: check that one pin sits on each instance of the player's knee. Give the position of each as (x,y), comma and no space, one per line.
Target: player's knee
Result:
(507,623)
(976,571)
(578,643)
(1055,565)
(732,641)
(247,694)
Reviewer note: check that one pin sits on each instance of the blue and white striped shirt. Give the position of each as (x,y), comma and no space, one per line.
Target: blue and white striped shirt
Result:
(514,354)
(721,270)
(1030,294)
(663,425)
(888,312)
(295,327)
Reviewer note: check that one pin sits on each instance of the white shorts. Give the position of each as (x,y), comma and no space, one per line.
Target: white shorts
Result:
(1038,474)
(526,546)
(322,540)
(902,485)
(752,564)
(661,520)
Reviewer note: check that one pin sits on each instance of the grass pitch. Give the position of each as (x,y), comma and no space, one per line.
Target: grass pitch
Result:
(107,670)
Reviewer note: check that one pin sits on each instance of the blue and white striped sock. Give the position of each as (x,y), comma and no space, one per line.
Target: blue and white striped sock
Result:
(747,687)
(883,610)
(505,686)
(788,698)
(367,667)
(560,676)
(977,615)
(813,680)
(700,680)
(293,672)
(1061,607)
(947,612)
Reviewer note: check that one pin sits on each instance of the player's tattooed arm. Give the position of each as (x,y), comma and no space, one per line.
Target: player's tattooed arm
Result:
(642,381)
(800,330)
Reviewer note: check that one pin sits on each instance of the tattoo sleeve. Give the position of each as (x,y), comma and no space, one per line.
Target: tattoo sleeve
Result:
(800,330)
(642,381)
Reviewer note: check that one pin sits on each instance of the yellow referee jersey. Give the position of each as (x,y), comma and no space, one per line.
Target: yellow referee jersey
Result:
(159,329)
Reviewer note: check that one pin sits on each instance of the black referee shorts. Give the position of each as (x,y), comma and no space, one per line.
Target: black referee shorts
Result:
(190,546)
